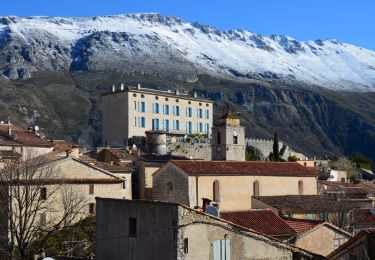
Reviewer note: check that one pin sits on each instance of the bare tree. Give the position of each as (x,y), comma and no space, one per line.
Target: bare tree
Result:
(36,201)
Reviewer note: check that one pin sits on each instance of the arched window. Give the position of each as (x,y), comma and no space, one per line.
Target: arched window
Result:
(218,138)
(216,191)
(300,187)
(256,188)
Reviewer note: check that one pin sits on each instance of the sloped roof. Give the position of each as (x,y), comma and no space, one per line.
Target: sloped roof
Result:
(22,136)
(301,225)
(263,221)
(345,187)
(196,167)
(310,203)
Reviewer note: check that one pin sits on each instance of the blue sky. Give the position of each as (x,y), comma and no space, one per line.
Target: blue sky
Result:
(346,20)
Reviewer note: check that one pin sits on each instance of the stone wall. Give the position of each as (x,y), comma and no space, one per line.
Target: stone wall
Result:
(172,185)
(191,150)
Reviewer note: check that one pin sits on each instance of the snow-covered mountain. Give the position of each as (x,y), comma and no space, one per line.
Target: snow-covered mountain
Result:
(170,47)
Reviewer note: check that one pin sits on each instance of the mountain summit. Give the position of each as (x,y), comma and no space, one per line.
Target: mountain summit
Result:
(169,47)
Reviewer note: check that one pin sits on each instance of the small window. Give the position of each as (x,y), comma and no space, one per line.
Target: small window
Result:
(169,186)
(343,180)
(235,139)
(166,99)
(221,249)
(142,96)
(43,193)
(207,105)
(92,208)
(135,105)
(134,95)
(125,184)
(300,187)
(132,227)
(200,104)
(156,97)
(189,102)
(218,138)
(91,188)
(43,219)
(177,100)
(186,245)
(216,191)
(256,188)
(304,164)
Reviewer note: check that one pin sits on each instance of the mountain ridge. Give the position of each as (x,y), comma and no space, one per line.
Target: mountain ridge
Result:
(232,54)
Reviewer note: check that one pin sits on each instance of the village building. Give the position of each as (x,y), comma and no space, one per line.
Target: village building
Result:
(129,112)
(230,184)
(319,207)
(315,236)
(162,230)
(16,142)
(362,246)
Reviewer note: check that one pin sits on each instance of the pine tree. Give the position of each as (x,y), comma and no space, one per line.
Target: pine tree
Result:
(275,153)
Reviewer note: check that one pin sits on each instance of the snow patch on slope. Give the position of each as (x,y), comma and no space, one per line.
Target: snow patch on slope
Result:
(234,53)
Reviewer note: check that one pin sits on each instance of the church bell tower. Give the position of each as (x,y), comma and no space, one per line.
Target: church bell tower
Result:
(228,139)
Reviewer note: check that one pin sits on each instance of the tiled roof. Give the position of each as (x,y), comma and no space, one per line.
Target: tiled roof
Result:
(345,187)
(262,221)
(363,215)
(161,158)
(311,203)
(302,225)
(121,154)
(122,167)
(23,136)
(195,167)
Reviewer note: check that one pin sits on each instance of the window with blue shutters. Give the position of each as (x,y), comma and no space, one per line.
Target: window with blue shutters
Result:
(142,106)
(176,111)
(189,112)
(200,113)
(207,128)
(221,249)
(177,125)
(155,108)
(189,127)
(166,109)
(155,124)
(142,122)
(166,125)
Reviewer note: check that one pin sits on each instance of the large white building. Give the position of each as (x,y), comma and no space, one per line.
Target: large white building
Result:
(128,112)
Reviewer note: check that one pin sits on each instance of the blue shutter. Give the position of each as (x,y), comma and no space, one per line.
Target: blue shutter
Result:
(139,122)
(139,106)
(145,122)
(153,107)
(145,107)
(186,110)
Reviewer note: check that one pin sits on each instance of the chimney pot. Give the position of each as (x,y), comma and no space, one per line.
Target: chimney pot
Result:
(122,87)
(113,88)
(139,86)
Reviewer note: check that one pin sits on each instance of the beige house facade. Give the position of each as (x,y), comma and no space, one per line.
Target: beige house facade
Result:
(179,232)
(230,184)
(322,239)
(130,112)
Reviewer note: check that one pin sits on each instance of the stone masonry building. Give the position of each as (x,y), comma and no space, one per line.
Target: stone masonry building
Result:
(129,112)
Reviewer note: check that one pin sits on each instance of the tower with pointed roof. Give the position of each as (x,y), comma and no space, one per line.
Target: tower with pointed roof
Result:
(228,139)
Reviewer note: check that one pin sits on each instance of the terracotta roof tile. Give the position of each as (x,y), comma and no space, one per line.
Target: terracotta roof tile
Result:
(363,215)
(23,136)
(262,221)
(311,203)
(302,225)
(195,167)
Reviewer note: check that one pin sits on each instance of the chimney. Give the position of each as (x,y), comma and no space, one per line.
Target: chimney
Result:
(9,130)
(195,94)
(122,87)
(68,152)
(177,92)
(139,86)
(113,88)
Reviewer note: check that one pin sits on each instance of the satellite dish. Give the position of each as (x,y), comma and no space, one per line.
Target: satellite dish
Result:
(36,128)
(211,210)
(372,211)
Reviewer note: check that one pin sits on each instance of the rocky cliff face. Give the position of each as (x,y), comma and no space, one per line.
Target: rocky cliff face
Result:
(319,94)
